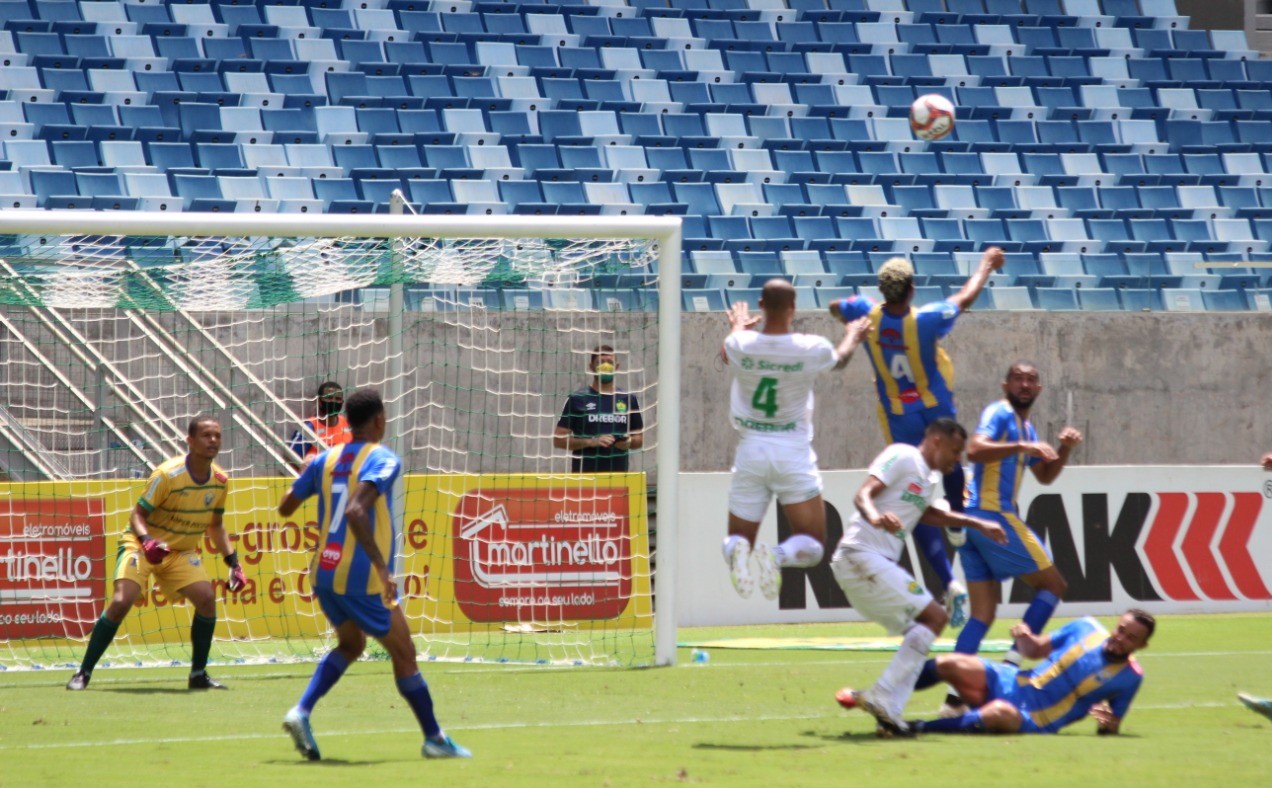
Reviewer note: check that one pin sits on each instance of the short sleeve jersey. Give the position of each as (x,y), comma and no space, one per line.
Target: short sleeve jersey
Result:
(179,508)
(341,564)
(1076,676)
(588,413)
(996,484)
(773,376)
(912,371)
(910,487)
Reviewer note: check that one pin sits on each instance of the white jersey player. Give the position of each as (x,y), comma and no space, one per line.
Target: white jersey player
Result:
(905,487)
(772,407)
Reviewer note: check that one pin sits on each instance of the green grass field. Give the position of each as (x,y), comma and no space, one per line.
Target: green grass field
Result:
(763,717)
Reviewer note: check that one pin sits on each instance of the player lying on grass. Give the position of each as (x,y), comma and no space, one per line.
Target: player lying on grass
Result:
(1085,671)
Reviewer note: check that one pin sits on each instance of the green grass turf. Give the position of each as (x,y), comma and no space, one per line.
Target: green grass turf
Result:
(746,718)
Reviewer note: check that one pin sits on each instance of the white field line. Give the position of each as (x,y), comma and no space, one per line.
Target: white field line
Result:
(510,726)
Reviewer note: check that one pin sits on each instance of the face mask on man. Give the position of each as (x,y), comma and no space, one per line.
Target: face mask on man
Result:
(330,407)
(605,372)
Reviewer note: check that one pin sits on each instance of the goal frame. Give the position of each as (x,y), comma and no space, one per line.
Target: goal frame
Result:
(665,230)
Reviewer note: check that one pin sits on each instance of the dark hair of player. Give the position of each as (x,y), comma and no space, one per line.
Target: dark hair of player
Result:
(947,427)
(362,406)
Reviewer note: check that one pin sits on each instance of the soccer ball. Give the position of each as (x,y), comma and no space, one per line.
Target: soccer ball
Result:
(931,117)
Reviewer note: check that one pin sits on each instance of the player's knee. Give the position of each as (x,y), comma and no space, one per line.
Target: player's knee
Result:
(1000,716)
(934,617)
(804,551)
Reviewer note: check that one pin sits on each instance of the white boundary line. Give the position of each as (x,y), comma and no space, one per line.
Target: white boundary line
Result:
(282,738)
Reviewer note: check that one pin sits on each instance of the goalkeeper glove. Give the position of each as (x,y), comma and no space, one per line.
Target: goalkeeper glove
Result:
(155,550)
(237,578)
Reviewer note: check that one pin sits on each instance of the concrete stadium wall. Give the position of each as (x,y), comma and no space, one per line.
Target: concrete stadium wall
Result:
(1146,389)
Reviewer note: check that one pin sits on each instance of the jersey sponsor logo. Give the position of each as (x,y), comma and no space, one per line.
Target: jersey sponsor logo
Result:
(762,426)
(330,557)
(520,555)
(50,580)
(774,366)
(915,488)
(607,418)
(590,406)
(909,395)
(891,339)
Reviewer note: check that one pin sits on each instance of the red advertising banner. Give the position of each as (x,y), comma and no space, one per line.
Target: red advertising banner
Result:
(523,556)
(52,581)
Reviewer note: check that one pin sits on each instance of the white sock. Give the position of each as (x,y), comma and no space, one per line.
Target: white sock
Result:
(1013,657)
(800,550)
(730,544)
(899,677)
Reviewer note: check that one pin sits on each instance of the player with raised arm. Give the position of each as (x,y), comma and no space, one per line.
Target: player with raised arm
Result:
(184,499)
(1085,671)
(904,488)
(1005,444)
(771,405)
(915,382)
(352,573)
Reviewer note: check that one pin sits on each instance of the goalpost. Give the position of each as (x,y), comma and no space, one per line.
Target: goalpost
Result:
(117,328)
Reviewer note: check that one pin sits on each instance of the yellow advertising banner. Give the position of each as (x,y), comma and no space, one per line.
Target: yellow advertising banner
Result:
(476,553)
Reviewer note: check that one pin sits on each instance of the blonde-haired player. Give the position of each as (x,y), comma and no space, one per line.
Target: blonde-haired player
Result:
(771,405)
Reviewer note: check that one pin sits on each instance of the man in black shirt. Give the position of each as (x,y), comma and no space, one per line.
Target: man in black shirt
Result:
(599,423)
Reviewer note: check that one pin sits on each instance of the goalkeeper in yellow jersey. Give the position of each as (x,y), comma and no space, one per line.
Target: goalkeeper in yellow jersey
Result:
(184,499)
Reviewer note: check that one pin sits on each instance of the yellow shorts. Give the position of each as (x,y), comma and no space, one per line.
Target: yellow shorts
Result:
(175,572)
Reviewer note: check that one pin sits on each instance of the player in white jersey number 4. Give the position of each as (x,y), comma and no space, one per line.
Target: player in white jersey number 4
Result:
(904,488)
(771,405)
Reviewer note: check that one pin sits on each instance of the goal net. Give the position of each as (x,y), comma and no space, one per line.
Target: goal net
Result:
(116,329)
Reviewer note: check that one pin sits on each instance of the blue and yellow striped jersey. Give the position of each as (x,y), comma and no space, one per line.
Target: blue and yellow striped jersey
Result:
(995,484)
(1076,676)
(341,564)
(179,508)
(912,372)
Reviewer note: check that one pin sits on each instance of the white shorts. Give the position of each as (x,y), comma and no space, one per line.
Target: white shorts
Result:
(763,469)
(879,589)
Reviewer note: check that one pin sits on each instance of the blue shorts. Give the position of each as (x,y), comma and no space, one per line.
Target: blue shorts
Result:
(1001,684)
(909,427)
(365,610)
(1023,554)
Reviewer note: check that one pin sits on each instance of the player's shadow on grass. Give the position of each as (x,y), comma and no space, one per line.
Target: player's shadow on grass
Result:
(332,762)
(751,747)
(148,690)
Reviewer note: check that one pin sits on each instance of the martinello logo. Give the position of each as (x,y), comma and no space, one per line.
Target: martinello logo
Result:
(62,565)
(520,554)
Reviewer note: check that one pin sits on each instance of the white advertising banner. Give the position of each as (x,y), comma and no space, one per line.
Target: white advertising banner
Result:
(1169,539)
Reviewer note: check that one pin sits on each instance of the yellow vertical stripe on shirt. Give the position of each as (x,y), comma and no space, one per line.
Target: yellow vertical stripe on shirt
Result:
(910,330)
(1029,539)
(991,481)
(340,580)
(946,367)
(881,364)
(1021,459)
(1044,717)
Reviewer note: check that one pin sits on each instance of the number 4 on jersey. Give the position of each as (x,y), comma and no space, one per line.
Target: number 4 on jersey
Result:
(765,397)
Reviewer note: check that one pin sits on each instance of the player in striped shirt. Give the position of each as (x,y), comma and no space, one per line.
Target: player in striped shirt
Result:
(1085,671)
(184,499)
(352,573)
(915,381)
(1005,444)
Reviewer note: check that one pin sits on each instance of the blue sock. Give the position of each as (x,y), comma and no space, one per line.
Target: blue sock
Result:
(968,723)
(927,676)
(1039,611)
(969,640)
(931,542)
(329,670)
(415,690)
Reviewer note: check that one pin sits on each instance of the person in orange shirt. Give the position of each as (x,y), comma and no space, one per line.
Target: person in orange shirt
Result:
(330,425)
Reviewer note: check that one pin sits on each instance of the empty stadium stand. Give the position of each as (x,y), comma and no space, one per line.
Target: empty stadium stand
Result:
(1120,158)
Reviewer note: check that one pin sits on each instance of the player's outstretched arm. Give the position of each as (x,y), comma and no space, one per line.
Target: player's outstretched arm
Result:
(1029,645)
(982,448)
(942,518)
(992,261)
(855,332)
